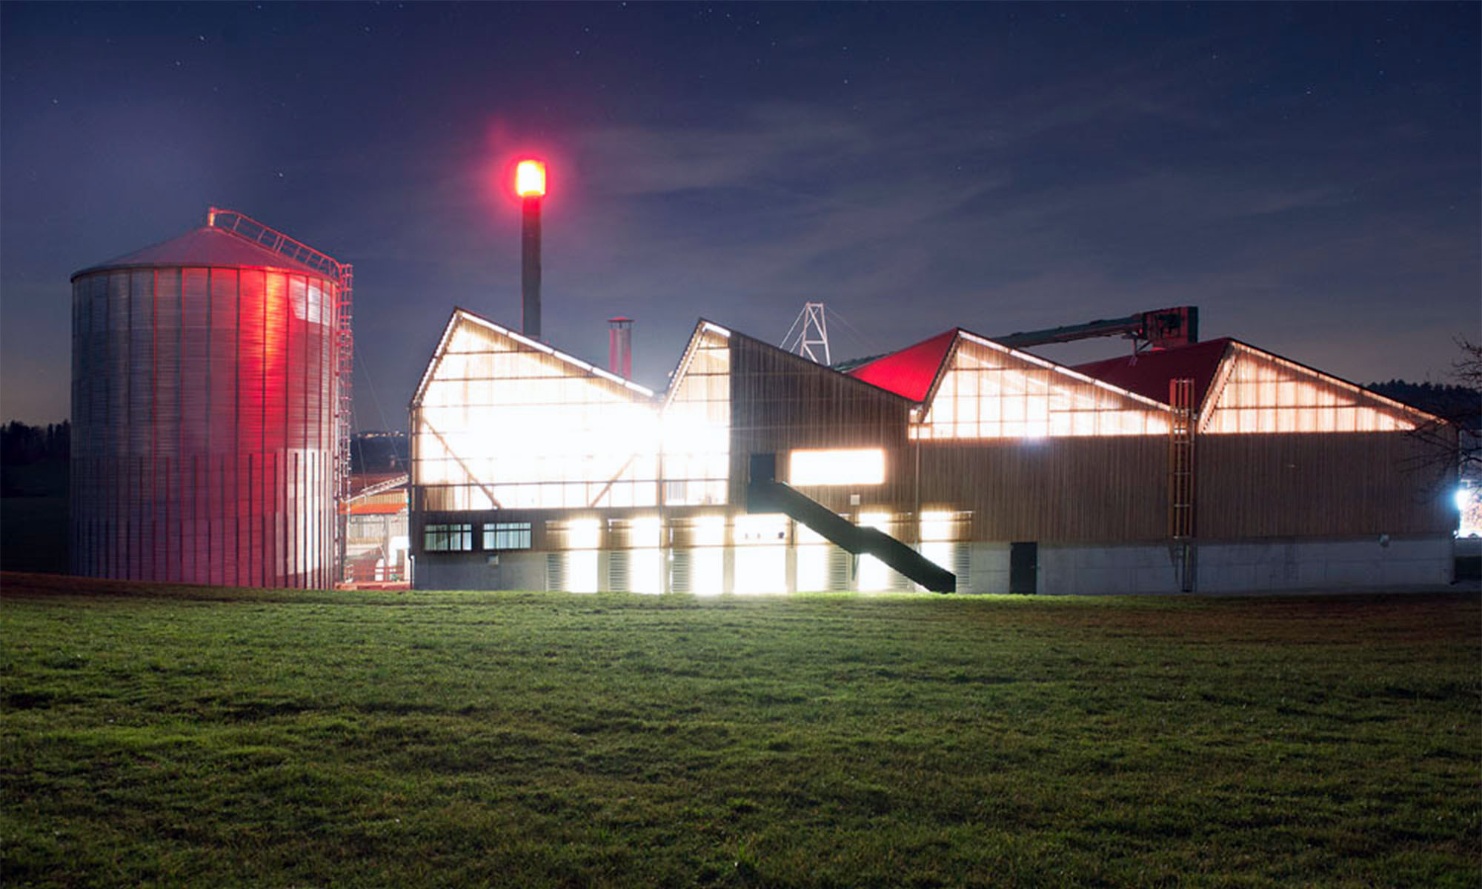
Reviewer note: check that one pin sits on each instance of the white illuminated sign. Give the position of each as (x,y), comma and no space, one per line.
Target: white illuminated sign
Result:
(859,466)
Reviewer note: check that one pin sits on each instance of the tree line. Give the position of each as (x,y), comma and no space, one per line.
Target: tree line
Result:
(22,444)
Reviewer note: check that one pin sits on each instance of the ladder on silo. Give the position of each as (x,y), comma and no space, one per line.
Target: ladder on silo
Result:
(243,226)
(1181,481)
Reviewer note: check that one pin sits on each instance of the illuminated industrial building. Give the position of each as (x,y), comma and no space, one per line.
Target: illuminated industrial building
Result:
(958,463)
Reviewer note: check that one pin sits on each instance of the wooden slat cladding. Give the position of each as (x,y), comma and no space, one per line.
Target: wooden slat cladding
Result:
(781,402)
(1104,490)
(1319,484)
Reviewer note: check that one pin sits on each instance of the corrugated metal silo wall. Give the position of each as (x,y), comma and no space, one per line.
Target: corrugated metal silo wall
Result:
(203,426)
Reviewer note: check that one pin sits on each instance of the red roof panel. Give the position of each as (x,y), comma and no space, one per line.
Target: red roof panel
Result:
(1148,373)
(909,372)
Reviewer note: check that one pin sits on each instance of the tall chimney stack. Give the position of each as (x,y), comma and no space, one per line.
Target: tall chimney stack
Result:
(530,185)
(620,346)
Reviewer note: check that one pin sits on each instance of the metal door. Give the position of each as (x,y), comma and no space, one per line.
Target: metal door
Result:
(1024,568)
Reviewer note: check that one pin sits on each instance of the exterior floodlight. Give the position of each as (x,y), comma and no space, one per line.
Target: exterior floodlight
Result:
(530,184)
(530,179)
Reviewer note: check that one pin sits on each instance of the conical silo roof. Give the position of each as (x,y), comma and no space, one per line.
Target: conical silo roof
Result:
(206,247)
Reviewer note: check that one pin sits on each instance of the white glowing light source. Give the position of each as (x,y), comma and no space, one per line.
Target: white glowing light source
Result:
(874,575)
(584,533)
(761,569)
(856,466)
(581,571)
(709,530)
(1469,504)
(765,529)
(530,179)
(708,569)
(937,526)
(645,532)
(646,571)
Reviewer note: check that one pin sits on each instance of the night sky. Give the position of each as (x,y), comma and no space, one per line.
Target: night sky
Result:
(1307,174)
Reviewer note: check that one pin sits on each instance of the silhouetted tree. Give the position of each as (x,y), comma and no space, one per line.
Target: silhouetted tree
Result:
(1452,443)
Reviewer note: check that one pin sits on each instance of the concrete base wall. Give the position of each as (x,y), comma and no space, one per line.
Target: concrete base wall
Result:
(1106,570)
(479,571)
(1243,567)
(1379,563)
(988,568)
(1249,566)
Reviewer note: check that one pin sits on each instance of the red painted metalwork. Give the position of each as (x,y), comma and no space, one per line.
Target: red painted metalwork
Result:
(911,371)
(1148,373)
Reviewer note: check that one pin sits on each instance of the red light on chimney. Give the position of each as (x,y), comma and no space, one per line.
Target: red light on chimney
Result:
(530,179)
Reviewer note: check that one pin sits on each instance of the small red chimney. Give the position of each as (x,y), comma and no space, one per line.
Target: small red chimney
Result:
(620,346)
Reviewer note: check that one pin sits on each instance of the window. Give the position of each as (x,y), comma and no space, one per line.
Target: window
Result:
(455,538)
(507,535)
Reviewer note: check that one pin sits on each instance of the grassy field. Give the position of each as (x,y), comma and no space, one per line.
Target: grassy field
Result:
(173,736)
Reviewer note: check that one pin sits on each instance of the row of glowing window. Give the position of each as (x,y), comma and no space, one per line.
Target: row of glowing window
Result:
(601,429)
(501,472)
(569,495)
(1337,419)
(562,392)
(1282,393)
(854,466)
(647,532)
(702,572)
(1084,423)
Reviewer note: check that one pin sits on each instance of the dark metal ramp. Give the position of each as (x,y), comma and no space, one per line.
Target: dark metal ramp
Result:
(767,495)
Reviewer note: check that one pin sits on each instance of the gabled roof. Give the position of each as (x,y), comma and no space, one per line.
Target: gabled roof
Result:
(911,371)
(206,247)
(463,317)
(1148,373)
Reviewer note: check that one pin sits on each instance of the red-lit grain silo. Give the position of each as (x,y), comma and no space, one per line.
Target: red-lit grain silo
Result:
(209,410)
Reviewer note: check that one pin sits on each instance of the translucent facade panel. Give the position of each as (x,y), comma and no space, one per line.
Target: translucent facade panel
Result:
(504,424)
(697,425)
(989,394)
(1264,394)
(204,432)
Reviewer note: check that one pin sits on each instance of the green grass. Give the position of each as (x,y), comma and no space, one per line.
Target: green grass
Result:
(175,736)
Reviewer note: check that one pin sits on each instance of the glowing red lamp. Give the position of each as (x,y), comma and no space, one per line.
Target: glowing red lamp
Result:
(530,179)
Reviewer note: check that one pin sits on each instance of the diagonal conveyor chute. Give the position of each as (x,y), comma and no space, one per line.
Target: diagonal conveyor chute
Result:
(764,494)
